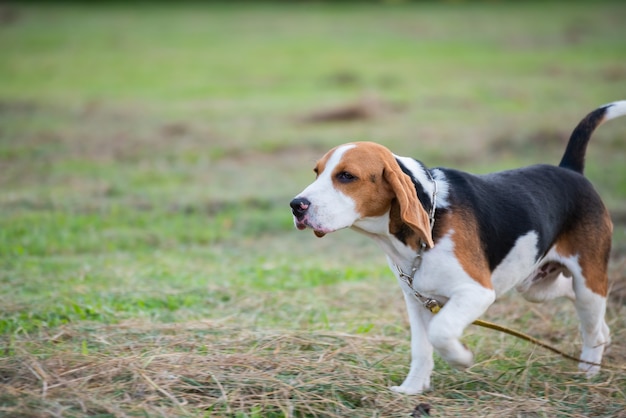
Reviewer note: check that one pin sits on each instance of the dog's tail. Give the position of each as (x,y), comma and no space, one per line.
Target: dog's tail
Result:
(574,156)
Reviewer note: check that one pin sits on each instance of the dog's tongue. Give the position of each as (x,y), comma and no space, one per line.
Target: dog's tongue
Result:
(319,234)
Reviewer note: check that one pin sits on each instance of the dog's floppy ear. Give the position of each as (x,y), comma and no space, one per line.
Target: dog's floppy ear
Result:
(411,210)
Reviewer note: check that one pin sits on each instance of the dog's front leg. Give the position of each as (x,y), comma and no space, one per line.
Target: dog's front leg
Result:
(418,379)
(447,326)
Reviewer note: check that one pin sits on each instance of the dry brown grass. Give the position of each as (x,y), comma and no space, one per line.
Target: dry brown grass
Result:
(208,368)
(174,371)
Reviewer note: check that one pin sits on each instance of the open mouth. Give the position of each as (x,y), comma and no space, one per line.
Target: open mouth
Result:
(303,225)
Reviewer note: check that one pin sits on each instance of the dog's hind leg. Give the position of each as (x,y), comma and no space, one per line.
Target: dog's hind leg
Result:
(589,268)
(591,308)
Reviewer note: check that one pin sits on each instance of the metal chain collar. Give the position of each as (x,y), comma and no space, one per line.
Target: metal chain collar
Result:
(429,303)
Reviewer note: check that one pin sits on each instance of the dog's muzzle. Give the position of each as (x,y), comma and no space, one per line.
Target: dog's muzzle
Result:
(299,208)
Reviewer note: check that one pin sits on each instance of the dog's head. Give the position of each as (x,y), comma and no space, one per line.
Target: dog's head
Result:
(356,184)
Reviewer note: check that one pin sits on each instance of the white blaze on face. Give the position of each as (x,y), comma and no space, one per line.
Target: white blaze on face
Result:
(330,209)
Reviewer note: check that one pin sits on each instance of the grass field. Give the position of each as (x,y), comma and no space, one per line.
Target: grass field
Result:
(148,261)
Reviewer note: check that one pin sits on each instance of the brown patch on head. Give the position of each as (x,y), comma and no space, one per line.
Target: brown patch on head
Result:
(468,249)
(591,242)
(366,163)
(371,176)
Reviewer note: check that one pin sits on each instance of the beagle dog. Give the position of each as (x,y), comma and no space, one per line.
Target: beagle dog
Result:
(459,240)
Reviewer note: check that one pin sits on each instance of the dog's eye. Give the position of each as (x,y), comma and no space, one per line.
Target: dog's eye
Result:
(345,177)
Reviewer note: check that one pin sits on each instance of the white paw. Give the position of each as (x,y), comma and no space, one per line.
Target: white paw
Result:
(456,354)
(406,390)
(589,369)
(412,385)
(460,359)
(591,355)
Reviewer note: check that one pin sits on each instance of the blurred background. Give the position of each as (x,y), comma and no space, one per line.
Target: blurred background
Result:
(149,150)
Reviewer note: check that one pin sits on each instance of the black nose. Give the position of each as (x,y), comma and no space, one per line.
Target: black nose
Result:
(299,206)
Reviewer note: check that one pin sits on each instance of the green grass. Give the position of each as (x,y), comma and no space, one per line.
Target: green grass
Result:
(148,261)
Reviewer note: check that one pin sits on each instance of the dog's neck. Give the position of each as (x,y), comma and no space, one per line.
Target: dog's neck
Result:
(377,228)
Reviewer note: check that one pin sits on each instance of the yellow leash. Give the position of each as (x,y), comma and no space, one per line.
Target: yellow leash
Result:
(530,339)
